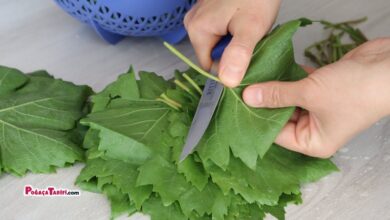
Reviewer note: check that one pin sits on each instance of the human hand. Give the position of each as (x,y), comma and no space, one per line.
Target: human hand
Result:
(338,101)
(247,20)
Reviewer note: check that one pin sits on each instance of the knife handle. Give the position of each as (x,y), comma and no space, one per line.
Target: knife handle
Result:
(217,51)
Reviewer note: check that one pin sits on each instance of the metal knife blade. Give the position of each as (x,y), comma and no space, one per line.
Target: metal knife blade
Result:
(208,102)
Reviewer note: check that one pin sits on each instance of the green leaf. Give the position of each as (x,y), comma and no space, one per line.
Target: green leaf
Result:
(278,211)
(305,21)
(151,86)
(193,172)
(10,79)
(164,178)
(37,119)
(279,172)
(155,208)
(273,59)
(124,87)
(123,175)
(41,73)
(132,132)
(209,200)
(91,139)
(239,209)
(119,202)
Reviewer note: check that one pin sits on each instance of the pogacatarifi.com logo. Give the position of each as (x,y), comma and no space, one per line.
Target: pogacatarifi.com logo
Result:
(49,191)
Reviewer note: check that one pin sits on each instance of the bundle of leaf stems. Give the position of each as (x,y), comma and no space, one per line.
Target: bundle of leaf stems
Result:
(332,48)
(176,105)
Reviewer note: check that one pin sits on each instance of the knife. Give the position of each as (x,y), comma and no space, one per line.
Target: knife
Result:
(208,102)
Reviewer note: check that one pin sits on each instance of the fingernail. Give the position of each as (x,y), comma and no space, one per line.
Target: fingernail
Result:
(253,96)
(231,75)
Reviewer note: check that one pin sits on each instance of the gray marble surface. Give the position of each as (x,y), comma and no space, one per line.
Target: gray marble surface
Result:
(35,34)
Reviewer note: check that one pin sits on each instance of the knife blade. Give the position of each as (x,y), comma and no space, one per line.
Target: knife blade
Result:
(212,92)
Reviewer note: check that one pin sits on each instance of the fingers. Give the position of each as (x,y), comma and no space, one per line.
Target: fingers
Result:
(247,21)
(277,94)
(302,136)
(247,29)
(205,25)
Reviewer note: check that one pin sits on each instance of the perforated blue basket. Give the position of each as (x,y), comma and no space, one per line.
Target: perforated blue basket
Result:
(115,19)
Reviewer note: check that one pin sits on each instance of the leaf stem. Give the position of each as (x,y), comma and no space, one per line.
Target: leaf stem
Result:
(168,103)
(185,88)
(173,102)
(189,62)
(193,83)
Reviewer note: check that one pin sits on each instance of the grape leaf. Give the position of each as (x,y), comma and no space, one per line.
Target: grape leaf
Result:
(279,172)
(155,208)
(10,79)
(164,178)
(124,87)
(128,130)
(37,117)
(120,203)
(151,86)
(278,211)
(273,59)
(123,175)
(209,200)
(193,172)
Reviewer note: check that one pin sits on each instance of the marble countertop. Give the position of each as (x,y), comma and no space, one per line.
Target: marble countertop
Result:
(36,34)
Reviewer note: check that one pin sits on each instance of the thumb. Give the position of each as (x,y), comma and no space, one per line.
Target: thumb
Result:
(275,94)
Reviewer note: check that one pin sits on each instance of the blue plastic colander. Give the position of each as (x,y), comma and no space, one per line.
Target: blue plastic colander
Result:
(115,19)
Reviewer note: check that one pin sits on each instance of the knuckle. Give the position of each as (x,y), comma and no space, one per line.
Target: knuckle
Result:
(187,18)
(193,22)
(274,96)
(241,49)
(192,26)
(308,95)
(198,26)
(194,32)
(256,24)
(310,92)
(253,18)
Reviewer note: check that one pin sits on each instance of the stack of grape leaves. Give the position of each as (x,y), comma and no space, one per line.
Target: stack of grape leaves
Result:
(135,138)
